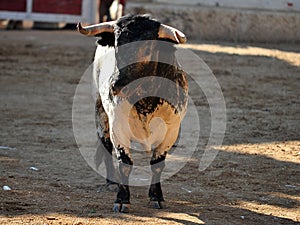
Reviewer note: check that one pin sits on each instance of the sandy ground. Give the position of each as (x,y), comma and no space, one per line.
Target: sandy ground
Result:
(253,180)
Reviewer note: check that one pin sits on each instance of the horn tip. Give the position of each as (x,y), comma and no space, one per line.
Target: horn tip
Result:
(183,40)
(81,29)
(181,37)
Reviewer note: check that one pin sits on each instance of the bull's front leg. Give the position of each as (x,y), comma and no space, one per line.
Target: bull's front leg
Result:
(158,164)
(155,193)
(122,202)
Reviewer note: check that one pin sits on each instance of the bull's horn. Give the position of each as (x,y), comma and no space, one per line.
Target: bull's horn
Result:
(96,29)
(171,33)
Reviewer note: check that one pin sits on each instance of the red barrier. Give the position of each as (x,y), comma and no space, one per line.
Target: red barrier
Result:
(13,5)
(71,7)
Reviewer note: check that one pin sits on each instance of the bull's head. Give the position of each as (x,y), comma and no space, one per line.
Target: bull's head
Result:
(164,31)
(143,56)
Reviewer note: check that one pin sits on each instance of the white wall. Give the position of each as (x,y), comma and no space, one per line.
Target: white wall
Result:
(225,23)
(285,5)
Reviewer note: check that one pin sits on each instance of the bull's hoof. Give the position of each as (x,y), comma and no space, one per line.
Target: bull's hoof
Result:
(125,208)
(122,208)
(117,207)
(157,204)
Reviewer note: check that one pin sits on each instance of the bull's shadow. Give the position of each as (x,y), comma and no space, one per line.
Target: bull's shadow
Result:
(230,191)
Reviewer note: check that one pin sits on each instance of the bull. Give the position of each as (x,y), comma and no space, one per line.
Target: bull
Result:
(130,100)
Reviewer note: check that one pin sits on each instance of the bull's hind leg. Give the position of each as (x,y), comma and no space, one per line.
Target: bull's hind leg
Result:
(104,154)
(155,192)
(104,146)
(122,202)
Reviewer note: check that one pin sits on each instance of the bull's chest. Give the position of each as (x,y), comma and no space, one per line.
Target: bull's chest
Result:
(145,123)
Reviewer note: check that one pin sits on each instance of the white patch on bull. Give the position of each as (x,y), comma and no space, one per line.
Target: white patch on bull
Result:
(104,65)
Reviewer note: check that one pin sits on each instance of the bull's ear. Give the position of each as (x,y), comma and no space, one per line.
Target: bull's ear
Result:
(96,29)
(171,33)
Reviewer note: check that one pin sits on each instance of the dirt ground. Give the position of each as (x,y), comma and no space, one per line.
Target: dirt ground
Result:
(255,178)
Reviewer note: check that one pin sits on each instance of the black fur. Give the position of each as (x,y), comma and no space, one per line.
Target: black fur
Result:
(157,166)
(125,167)
(148,105)
(151,87)
(106,39)
(136,28)
(130,28)
(123,157)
